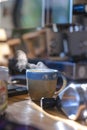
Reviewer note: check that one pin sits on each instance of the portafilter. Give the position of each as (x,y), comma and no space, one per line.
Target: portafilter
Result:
(72,100)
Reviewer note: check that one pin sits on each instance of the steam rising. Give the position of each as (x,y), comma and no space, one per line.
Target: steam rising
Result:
(22,62)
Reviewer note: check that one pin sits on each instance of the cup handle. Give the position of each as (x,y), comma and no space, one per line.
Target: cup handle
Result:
(61,82)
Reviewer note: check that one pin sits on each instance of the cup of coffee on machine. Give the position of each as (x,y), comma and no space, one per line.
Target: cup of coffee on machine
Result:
(41,82)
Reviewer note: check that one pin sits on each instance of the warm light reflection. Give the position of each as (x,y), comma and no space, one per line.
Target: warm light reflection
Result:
(59,125)
(85,114)
(3,36)
(3,0)
(63,126)
(41,115)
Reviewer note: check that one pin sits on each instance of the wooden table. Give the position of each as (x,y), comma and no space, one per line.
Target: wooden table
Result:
(22,110)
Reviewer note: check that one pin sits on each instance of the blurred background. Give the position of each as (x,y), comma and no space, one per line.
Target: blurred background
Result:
(39,27)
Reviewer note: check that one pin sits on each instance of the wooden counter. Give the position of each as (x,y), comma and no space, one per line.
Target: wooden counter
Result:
(22,110)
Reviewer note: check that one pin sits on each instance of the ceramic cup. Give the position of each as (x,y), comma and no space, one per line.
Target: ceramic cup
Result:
(41,82)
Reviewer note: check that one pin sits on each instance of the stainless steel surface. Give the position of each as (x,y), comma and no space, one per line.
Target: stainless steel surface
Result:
(74,101)
(20,108)
(27,112)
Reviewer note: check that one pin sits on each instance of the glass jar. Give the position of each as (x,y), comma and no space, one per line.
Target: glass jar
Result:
(3,89)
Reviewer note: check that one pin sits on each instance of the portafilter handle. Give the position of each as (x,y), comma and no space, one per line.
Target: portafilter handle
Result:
(47,103)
